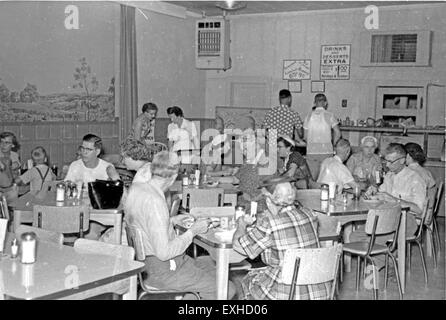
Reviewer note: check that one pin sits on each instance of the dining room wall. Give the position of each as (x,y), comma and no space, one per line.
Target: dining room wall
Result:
(260,43)
(166,64)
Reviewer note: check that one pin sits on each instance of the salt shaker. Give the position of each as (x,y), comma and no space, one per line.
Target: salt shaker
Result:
(324,192)
(60,191)
(28,247)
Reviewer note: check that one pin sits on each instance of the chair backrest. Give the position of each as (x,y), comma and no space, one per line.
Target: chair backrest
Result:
(98,247)
(42,234)
(134,238)
(175,206)
(73,219)
(388,218)
(4,211)
(192,197)
(438,199)
(314,266)
(424,216)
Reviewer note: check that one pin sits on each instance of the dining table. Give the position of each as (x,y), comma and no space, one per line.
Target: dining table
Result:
(64,272)
(355,210)
(23,211)
(222,252)
(231,191)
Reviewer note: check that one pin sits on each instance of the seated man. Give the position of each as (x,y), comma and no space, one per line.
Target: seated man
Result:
(168,267)
(334,170)
(90,168)
(283,226)
(402,184)
(364,164)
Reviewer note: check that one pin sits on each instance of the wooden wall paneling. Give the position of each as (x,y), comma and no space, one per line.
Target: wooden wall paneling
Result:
(27,133)
(43,132)
(69,131)
(82,130)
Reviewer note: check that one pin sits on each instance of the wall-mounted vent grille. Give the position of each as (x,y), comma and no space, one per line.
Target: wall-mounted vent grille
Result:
(212,44)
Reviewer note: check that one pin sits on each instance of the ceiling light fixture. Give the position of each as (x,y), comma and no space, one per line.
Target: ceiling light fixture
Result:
(231,5)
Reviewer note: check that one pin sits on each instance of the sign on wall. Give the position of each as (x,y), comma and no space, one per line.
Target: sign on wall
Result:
(296,69)
(335,62)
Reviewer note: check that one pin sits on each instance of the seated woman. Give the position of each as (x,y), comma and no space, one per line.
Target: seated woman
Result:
(364,164)
(8,143)
(294,164)
(283,226)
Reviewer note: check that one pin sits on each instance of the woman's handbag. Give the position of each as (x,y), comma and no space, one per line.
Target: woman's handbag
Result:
(105,194)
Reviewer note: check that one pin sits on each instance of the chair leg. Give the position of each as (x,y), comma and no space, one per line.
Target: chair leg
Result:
(423,260)
(194,249)
(437,234)
(375,282)
(409,255)
(386,274)
(395,267)
(358,270)
(434,248)
(341,273)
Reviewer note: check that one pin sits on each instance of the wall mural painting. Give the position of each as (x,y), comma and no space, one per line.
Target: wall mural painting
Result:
(82,102)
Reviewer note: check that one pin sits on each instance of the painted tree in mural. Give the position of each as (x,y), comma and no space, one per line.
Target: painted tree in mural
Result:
(4,93)
(29,93)
(111,89)
(86,81)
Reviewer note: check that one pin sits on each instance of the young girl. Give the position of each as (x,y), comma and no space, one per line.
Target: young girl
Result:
(38,174)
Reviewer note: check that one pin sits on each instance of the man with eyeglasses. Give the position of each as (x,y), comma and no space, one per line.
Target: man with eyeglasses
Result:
(401,184)
(90,168)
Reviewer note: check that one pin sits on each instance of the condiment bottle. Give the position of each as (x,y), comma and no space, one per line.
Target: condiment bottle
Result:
(239,212)
(14,249)
(60,192)
(324,192)
(28,247)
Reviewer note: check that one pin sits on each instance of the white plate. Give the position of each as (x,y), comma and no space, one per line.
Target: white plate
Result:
(224,235)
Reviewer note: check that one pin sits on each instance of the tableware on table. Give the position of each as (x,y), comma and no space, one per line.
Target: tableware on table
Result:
(239,212)
(224,223)
(60,191)
(14,249)
(28,247)
(225,235)
(356,192)
(324,192)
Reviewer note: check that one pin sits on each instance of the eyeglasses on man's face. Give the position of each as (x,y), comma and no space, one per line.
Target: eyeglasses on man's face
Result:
(84,149)
(392,162)
(7,143)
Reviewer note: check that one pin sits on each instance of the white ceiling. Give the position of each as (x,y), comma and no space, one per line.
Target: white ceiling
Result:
(255,7)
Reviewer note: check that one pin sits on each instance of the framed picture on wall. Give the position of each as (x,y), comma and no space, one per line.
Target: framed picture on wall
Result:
(295,86)
(296,69)
(317,86)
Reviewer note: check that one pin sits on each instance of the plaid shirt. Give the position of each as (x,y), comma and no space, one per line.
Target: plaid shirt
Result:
(271,236)
(283,119)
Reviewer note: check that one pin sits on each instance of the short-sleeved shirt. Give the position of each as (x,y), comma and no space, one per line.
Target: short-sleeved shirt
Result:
(333,170)
(362,167)
(184,138)
(408,184)
(424,173)
(79,172)
(271,236)
(319,124)
(36,179)
(299,160)
(283,119)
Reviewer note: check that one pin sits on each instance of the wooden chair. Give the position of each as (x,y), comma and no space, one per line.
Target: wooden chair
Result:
(134,238)
(379,222)
(431,224)
(87,246)
(62,219)
(194,197)
(311,266)
(42,234)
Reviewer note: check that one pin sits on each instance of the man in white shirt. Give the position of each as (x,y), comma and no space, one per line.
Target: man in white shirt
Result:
(182,134)
(321,131)
(88,169)
(168,267)
(334,170)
